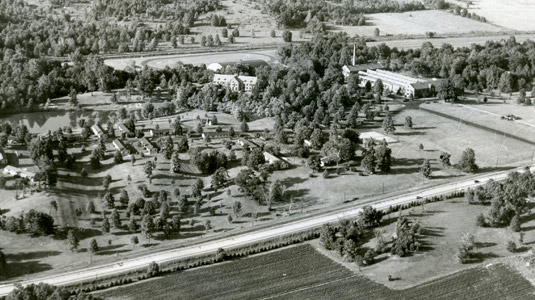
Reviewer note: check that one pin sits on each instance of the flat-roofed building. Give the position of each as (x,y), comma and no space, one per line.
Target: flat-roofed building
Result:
(400,84)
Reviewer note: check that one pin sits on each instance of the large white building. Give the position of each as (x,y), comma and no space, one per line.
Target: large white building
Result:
(400,84)
(235,83)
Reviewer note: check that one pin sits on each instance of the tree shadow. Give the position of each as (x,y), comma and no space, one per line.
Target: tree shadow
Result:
(31,255)
(289,194)
(410,133)
(433,231)
(111,252)
(479,257)
(28,267)
(291,181)
(481,245)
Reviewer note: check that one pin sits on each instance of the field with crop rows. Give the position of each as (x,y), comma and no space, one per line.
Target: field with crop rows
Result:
(302,273)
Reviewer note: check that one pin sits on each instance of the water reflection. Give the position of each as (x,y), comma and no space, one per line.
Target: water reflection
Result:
(42,122)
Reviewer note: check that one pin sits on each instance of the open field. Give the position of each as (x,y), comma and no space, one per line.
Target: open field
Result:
(443,225)
(494,122)
(418,23)
(456,42)
(514,14)
(302,273)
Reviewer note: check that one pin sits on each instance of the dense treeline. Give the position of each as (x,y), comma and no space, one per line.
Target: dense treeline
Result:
(46,291)
(184,12)
(507,199)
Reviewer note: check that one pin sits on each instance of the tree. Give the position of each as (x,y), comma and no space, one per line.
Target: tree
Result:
(148,227)
(38,223)
(182,145)
(109,200)
(425,170)
(153,269)
(106,182)
(287,36)
(134,240)
(515,223)
(388,124)
(408,122)
(511,246)
(237,209)
(105,226)
(118,157)
(132,224)
(445,159)
(447,91)
(197,187)
(149,167)
(219,178)
(90,207)
(235,32)
(73,100)
(327,236)
(3,266)
(116,219)
(273,33)
(123,198)
(54,205)
(383,157)
(468,161)
(368,163)
(275,193)
(93,247)
(73,240)
(376,32)
(244,127)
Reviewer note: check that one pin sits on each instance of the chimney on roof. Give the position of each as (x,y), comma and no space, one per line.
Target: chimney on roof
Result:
(354,54)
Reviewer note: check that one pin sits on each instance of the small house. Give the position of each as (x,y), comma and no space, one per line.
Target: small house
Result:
(97,130)
(148,147)
(123,129)
(215,135)
(118,145)
(23,173)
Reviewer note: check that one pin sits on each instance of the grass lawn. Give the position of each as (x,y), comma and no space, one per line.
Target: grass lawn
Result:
(442,134)
(302,273)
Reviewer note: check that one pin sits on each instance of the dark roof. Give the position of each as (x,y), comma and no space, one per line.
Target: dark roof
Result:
(364,67)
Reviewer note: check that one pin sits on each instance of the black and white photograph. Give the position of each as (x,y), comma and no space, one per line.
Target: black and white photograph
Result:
(267,149)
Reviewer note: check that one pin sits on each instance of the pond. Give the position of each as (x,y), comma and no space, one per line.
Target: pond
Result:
(42,122)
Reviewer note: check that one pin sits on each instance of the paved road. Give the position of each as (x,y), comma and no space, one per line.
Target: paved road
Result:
(251,237)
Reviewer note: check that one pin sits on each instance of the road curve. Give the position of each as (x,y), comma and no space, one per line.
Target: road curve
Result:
(87,274)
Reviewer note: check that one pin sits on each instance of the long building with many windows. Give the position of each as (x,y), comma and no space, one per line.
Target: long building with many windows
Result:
(400,84)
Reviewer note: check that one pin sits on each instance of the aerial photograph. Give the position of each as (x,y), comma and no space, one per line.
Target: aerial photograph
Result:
(267,149)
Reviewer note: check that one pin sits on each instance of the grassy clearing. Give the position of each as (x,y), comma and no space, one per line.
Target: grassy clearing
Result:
(443,134)
(501,12)
(302,273)
(418,23)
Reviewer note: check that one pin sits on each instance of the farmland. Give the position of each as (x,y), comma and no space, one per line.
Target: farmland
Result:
(418,23)
(514,14)
(302,273)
